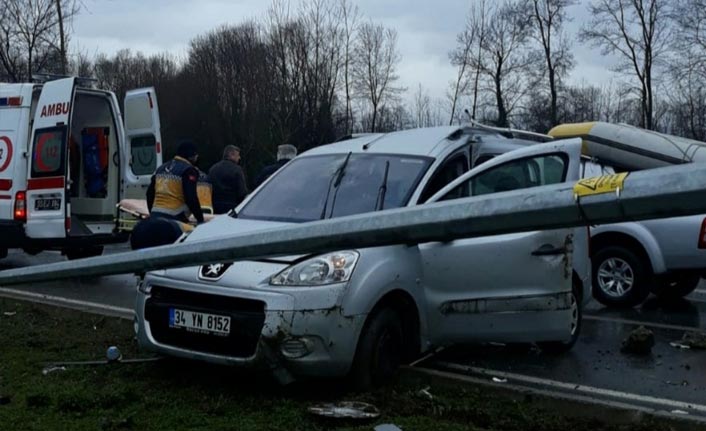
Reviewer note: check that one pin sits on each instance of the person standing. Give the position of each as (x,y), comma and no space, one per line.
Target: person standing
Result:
(228,181)
(285,153)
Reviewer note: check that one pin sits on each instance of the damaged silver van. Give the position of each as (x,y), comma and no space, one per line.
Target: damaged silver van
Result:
(361,312)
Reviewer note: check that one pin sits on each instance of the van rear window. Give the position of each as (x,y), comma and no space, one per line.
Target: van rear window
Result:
(49,152)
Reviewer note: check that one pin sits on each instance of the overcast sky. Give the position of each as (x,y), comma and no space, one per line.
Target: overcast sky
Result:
(427,31)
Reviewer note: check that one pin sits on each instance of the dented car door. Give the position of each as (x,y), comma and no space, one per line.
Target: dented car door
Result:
(506,288)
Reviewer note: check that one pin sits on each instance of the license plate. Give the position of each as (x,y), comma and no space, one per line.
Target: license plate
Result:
(47,204)
(203,323)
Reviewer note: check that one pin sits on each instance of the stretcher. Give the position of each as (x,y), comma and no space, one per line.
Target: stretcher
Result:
(131,211)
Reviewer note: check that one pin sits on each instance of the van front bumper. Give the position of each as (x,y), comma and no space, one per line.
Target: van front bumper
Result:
(267,332)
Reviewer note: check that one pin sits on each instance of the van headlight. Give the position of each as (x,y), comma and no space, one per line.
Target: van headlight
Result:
(325,269)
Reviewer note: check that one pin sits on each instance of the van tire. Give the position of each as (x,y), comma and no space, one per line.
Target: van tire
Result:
(622,260)
(559,347)
(379,352)
(81,253)
(676,285)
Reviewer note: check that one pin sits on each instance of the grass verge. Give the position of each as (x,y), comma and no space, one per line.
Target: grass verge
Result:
(179,395)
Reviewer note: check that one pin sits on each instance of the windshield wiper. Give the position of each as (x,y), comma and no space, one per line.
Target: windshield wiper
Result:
(336,180)
(380,204)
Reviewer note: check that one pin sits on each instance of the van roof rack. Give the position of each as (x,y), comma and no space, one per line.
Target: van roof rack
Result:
(512,132)
(81,81)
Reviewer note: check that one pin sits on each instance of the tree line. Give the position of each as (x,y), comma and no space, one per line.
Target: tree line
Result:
(310,73)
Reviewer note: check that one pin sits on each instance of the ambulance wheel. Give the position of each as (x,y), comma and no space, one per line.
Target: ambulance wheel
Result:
(81,253)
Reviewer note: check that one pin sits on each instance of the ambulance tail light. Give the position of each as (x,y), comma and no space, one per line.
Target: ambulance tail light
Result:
(20,211)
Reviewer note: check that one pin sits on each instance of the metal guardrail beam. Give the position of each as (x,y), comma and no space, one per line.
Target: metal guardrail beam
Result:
(656,193)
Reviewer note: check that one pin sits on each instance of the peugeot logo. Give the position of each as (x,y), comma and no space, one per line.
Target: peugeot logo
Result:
(213,271)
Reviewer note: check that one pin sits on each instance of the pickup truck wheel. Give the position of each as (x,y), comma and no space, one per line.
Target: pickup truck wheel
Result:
(558,347)
(676,285)
(379,351)
(81,253)
(620,278)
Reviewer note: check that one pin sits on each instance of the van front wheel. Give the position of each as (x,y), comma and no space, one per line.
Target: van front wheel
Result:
(379,351)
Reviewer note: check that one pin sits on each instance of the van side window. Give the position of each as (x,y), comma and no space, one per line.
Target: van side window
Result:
(49,152)
(514,175)
(143,152)
(452,168)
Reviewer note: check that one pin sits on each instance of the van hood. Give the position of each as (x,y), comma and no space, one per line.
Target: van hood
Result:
(224,225)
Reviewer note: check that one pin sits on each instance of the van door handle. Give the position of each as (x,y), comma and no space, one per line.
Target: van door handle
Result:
(548,250)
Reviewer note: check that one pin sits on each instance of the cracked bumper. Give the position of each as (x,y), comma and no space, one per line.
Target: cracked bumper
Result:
(268,330)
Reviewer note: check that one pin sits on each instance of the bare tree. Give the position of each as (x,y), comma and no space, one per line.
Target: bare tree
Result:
(65,11)
(638,32)
(375,67)
(10,55)
(505,61)
(33,36)
(687,70)
(461,58)
(549,17)
(468,55)
(349,16)
(421,105)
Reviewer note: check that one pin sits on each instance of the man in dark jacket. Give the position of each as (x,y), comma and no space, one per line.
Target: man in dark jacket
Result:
(285,153)
(228,181)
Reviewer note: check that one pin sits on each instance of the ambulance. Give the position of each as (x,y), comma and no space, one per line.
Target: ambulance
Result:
(67,158)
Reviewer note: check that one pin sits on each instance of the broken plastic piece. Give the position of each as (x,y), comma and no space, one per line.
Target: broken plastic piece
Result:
(679,345)
(425,393)
(345,410)
(499,380)
(52,368)
(9,313)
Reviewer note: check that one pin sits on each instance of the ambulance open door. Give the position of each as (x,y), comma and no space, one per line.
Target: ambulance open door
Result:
(47,198)
(144,142)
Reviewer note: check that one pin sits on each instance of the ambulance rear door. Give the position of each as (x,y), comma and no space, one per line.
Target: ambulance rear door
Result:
(143,140)
(48,206)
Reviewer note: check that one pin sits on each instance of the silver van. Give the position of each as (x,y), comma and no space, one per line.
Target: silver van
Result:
(361,312)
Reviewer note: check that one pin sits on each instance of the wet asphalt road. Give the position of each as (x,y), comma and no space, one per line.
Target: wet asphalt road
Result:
(670,379)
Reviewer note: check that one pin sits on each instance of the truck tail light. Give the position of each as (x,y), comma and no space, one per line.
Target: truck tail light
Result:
(702,235)
(20,212)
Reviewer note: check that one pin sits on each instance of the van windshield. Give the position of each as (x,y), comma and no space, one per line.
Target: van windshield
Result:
(336,185)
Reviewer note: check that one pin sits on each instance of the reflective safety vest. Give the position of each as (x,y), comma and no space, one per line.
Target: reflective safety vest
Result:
(205,192)
(168,190)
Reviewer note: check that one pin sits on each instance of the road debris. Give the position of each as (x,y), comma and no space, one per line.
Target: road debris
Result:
(52,368)
(639,342)
(692,340)
(9,313)
(424,392)
(113,354)
(679,345)
(345,410)
(499,380)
